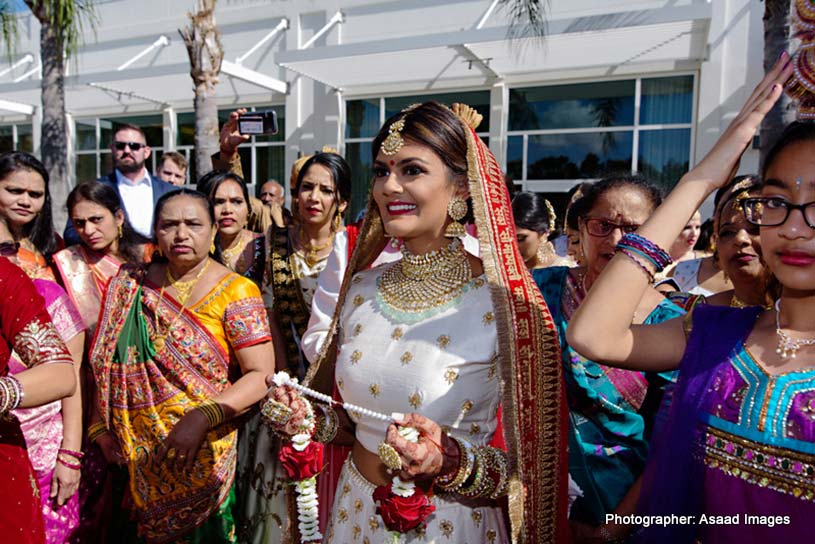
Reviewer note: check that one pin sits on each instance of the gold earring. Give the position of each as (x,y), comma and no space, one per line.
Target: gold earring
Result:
(337,222)
(119,231)
(456,209)
(212,246)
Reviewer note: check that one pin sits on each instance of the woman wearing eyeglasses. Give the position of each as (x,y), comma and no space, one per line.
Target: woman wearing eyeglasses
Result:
(739,439)
(611,410)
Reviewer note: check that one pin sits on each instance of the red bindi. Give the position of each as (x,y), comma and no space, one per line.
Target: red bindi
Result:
(393,162)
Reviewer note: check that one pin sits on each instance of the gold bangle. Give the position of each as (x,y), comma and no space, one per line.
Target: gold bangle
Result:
(497,461)
(213,411)
(96,430)
(475,487)
(465,466)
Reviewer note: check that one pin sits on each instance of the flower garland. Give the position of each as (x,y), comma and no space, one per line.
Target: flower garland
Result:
(302,459)
(401,505)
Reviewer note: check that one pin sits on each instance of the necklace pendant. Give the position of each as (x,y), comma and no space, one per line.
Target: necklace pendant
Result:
(158,344)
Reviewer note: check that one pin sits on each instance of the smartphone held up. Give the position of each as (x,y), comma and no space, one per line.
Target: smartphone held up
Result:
(255,123)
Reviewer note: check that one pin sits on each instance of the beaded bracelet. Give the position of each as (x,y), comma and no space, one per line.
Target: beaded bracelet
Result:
(465,467)
(636,261)
(95,430)
(213,411)
(652,252)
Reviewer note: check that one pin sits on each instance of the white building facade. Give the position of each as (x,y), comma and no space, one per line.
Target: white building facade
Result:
(616,85)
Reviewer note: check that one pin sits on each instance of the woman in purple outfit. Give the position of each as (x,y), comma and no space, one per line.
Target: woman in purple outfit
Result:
(737,451)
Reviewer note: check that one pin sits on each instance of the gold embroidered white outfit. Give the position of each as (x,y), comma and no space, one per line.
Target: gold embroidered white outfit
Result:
(441,364)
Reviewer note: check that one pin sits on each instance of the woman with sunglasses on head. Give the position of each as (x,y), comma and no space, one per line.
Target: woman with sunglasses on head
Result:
(611,411)
(739,440)
(53,432)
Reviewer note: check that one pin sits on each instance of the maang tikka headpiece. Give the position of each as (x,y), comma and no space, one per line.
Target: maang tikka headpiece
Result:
(394,142)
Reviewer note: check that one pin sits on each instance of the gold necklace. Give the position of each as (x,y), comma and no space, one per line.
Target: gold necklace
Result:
(229,253)
(310,251)
(418,283)
(184,289)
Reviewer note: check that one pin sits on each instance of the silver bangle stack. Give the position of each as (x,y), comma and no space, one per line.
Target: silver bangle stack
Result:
(11,394)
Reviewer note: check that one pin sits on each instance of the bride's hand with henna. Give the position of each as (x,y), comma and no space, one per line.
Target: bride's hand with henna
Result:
(289,417)
(435,454)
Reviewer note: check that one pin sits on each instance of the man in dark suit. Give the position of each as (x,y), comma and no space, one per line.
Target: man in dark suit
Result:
(137,188)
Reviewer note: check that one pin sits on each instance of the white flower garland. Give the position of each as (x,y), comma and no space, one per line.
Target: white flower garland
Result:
(308,504)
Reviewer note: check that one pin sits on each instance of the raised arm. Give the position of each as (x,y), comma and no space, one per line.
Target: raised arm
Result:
(601,328)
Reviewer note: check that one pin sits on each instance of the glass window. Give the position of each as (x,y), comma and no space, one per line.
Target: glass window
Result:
(515,157)
(25,138)
(663,155)
(362,118)
(271,164)
(480,100)
(667,100)
(581,155)
(152,125)
(606,104)
(6,139)
(358,155)
(86,135)
(85,167)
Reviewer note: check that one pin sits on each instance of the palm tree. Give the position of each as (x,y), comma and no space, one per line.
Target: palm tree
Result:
(62,23)
(203,41)
(776,40)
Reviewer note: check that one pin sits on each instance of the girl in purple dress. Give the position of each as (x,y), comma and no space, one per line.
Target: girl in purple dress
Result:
(736,456)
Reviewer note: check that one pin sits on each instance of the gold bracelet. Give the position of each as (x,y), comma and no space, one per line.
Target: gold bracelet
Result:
(497,461)
(96,430)
(213,411)
(475,488)
(465,466)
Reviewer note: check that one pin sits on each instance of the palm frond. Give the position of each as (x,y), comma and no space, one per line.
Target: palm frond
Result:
(69,17)
(527,17)
(8,28)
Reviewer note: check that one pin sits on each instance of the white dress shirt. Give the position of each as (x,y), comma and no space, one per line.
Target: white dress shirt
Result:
(137,197)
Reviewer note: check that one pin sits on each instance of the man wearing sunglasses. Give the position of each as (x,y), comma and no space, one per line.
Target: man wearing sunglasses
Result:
(138,189)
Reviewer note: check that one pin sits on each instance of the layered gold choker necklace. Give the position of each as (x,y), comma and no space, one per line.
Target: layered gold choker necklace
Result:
(419,283)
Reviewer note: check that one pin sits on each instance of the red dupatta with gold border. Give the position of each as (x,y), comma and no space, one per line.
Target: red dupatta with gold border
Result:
(533,404)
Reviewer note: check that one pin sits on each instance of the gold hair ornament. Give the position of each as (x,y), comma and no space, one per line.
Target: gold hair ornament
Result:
(552,216)
(394,142)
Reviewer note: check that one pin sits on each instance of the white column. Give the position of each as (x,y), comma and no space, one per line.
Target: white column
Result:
(170,123)
(36,130)
(499,121)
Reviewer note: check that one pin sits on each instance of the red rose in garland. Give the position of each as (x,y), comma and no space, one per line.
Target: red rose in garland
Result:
(402,514)
(300,465)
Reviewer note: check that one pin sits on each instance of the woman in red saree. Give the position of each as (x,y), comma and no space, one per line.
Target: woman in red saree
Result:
(182,346)
(26,328)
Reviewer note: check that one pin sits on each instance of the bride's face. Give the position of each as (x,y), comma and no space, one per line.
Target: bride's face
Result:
(412,190)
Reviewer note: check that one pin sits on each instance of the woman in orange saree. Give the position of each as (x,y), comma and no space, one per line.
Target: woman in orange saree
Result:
(182,347)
